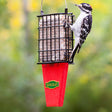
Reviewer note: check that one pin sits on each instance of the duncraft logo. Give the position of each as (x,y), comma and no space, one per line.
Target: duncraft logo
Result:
(52,84)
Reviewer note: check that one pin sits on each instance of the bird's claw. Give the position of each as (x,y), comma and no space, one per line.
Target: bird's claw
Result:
(66,23)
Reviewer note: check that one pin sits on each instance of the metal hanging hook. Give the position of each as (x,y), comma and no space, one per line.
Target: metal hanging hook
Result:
(66,9)
(65,3)
(41,8)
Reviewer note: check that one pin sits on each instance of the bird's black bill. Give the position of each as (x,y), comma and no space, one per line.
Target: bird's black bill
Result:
(79,6)
(75,4)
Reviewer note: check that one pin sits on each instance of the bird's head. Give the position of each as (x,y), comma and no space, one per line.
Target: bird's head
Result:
(84,7)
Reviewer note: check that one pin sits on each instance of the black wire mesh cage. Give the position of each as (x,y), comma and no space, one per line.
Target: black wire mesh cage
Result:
(55,40)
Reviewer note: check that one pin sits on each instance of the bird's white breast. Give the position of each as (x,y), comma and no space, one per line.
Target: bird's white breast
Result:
(78,23)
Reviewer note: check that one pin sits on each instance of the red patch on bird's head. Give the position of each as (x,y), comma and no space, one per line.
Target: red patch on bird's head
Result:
(91,6)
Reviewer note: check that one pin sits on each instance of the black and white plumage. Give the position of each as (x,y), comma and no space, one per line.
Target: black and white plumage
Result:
(81,27)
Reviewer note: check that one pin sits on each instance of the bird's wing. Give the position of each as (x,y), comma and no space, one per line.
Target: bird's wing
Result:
(85,29)
(86,26)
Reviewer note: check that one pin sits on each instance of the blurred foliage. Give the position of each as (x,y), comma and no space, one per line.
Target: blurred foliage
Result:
(89,84)
(4,14)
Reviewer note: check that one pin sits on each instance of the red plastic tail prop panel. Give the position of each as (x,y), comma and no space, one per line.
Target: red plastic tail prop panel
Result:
(55,76)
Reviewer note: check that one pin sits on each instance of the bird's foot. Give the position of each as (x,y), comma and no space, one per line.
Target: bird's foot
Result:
(66,23)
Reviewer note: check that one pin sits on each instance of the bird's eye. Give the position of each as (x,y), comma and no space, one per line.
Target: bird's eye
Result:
(84,6)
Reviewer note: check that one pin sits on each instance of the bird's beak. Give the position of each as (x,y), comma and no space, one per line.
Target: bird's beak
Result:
(77,5)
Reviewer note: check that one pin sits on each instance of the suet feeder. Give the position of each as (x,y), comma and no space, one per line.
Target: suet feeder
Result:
(55,43)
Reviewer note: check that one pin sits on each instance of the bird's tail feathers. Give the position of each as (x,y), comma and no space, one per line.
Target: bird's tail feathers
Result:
(79,48)
(73,53)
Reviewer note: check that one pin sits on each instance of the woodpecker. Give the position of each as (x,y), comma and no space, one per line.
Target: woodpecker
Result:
(81,27)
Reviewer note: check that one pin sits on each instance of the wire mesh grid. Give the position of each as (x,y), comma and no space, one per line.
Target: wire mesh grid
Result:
(55,41)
